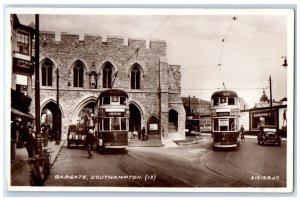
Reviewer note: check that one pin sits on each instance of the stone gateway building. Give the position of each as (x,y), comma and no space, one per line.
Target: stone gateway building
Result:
(82,69)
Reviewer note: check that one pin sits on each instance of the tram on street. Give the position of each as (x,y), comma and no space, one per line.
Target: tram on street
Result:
(112,120)
(225,115)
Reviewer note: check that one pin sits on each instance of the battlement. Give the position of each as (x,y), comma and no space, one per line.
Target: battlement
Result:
(49,37)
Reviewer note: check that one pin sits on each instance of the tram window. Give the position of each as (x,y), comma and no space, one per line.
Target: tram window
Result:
(123,124)
(115,124)
(222,100)
(106,124)
(115,99)
(232,124)
(216,101)
(223,124)
(231,101)
(123,100)
(106,100)
(216,124)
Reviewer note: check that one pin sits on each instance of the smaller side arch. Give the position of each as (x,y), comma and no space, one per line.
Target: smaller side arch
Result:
(153,125)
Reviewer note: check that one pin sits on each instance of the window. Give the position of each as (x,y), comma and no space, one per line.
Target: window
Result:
(222,100)
(78,75)
(216,124)
(225,124)
(115,124)
(123,100)
(47,73)
(216,101)
(231,101)
(106,126)
(135,77)
(123,124)
(23,43)
(106,100)
(107,75)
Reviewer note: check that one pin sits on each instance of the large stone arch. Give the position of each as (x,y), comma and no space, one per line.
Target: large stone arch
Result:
(51,99)
(136,119)
(80,105)
(52,116)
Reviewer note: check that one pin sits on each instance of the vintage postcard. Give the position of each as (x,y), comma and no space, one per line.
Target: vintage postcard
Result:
(149,100)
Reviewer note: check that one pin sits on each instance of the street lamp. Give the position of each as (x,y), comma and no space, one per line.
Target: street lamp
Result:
(285,64)
(57,142)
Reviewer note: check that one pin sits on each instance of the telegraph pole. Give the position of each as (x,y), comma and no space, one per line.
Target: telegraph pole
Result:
(271,100)
(37,87)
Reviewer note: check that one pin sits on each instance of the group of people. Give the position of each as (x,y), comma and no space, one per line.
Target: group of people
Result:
(25,134)
(138,135)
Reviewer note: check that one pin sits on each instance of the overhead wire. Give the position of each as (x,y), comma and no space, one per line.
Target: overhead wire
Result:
(137,49)
(222,50)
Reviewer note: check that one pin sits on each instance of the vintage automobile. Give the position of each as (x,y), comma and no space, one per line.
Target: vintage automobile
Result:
(268,135)
(76,136)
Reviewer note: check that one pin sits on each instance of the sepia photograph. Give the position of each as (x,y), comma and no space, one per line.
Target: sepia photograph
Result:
(149,100)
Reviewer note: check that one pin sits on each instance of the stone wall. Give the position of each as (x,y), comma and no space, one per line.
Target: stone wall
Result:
(93,53)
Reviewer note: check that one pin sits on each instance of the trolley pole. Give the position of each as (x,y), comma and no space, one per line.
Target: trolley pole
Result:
(39,139)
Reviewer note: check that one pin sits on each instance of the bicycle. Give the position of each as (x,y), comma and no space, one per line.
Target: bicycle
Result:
(242,137)
(39,168)
(89,151)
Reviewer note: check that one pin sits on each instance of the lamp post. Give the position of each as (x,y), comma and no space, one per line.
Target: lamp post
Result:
(39,139)
(57,142)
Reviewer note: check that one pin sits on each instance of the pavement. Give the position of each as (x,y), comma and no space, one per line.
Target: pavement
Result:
(20,168)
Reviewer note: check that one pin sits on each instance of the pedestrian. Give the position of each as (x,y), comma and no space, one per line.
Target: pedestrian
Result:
(30,142)
(139,134)
(89,142)
(143,133)
(45,135)
(242,131)
(15,130)
(135,134)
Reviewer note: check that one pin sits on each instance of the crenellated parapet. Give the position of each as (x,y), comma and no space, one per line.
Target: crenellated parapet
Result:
(70,39)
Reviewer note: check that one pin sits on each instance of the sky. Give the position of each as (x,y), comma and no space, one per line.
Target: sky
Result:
(212,48)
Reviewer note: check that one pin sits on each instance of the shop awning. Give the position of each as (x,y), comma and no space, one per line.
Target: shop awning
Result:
(21,114)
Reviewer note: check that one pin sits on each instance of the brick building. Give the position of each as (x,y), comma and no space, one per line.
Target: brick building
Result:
(90,66)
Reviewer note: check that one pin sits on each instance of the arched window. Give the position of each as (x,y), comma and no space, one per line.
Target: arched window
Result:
(47,68)
(107,75)
(78,75)
(135,77)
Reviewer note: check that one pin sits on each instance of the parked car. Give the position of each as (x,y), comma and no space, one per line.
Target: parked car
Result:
(268,135)
(76,136)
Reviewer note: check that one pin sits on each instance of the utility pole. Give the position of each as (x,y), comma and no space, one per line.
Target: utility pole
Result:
(271,100)
(37,87)
(189,105)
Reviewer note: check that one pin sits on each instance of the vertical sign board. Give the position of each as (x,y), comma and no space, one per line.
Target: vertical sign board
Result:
(282,118)
(244,120)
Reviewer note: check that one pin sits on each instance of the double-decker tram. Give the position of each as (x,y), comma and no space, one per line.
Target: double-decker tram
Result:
(112,120)
(225,115)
